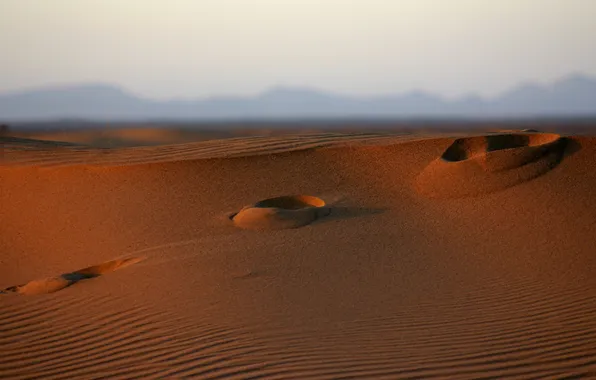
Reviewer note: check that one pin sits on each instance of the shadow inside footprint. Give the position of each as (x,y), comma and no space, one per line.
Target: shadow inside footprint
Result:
(279,213)
(54,284)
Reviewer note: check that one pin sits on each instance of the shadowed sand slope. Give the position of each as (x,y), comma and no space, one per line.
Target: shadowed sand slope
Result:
(391,284)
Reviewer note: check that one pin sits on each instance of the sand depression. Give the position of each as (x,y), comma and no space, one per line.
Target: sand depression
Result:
(484,164)
(281,213)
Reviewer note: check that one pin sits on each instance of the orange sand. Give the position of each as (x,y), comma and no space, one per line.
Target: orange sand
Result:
(493,277)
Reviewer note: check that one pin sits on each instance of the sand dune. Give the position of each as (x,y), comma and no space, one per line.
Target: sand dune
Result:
(27,152)
(476,281)
(122,137)
(483,164)
(114,136)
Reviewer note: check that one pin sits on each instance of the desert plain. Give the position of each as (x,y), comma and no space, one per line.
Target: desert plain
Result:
(154,253)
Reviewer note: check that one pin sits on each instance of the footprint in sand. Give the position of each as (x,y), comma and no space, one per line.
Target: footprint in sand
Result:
(483,164)
(54,284)
(281,213)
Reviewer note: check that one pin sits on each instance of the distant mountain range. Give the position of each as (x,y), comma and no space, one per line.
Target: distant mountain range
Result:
(573,96)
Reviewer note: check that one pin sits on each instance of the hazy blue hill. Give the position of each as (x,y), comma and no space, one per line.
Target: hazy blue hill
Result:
(85,101)
(574,95)
(571,96)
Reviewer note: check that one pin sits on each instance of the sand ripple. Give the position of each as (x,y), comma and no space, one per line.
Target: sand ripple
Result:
(391,285)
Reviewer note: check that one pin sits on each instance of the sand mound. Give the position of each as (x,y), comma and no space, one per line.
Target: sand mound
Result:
(54,284)
(281,213)
(483,164)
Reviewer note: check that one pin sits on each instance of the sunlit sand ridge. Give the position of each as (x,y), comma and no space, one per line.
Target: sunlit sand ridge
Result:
(358,255)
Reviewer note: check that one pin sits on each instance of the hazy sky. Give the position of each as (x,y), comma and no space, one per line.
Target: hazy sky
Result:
(194,48)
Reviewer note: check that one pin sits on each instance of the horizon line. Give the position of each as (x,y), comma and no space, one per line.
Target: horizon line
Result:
(306,88)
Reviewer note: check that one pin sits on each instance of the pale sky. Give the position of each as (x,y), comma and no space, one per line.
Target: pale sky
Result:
(196,48)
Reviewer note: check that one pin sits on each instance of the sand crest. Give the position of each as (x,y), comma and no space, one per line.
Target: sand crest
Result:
(484,164)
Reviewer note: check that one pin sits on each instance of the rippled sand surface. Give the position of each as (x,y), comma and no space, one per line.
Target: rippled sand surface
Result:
(365,255)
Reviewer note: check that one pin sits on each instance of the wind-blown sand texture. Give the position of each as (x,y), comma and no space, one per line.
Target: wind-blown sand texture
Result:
(442,257)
